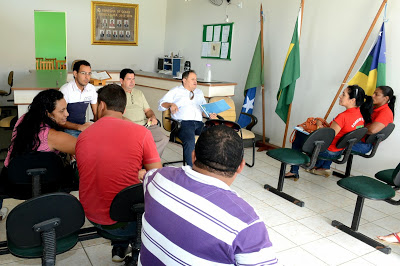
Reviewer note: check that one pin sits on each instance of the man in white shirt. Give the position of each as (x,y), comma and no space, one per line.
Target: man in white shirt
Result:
(78,93)
(184,102)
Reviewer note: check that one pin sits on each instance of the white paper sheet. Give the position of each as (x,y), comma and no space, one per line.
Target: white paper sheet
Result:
(225,33)
(209,33)
(217,33)
(205,48)
(224,50)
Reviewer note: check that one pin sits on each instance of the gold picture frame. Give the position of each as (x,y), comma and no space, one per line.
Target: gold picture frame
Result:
(114,23)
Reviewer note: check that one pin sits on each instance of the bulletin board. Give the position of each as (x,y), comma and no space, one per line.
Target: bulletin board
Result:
(217,39)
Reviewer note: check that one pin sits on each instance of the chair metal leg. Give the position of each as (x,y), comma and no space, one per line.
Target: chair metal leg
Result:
(354,227)
(278,190)
(254,154)
(348,168)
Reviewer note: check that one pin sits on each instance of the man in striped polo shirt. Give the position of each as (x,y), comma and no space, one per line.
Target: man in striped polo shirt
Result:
(192,216)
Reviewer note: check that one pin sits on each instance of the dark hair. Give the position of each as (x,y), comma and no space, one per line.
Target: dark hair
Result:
(362,101)
(219,150)
(125,71)
(113,96)
(388,91)
(78,65)
(185,74)
(26,138)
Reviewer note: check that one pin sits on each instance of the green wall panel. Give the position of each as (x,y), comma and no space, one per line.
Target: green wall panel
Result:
(50,35)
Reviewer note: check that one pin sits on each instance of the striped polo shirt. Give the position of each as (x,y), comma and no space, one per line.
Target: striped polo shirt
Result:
(194,219)
(78,101)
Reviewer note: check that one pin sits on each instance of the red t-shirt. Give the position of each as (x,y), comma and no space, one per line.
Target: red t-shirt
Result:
(109,155)
(383,115)
(349,120)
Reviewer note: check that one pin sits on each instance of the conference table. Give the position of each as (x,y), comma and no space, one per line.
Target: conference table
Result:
(153,85)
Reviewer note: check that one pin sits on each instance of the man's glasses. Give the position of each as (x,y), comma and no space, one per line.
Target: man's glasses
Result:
(85,73)
(191,95)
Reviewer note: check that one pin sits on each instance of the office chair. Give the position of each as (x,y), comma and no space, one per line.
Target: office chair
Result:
(10,83)
(44,226)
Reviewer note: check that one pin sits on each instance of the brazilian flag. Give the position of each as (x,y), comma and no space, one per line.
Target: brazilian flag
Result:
(372,73)
(291,72)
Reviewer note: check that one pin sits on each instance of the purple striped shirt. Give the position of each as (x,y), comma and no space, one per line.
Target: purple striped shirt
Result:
(194,219)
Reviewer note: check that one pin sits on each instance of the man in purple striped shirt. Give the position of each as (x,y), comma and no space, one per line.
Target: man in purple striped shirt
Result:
(192,217)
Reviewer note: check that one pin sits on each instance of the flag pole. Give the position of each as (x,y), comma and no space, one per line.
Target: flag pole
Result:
(356,58)
(290,105)
(262,145)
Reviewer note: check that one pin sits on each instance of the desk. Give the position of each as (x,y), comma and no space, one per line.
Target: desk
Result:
(153,85)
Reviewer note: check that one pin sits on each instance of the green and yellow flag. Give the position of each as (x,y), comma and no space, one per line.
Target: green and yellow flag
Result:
(291,72)
(372,73)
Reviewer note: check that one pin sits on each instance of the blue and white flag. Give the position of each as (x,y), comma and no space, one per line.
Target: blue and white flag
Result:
(247,107)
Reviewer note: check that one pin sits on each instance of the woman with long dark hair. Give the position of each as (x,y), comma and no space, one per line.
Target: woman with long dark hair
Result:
(351,98)
(40,129)
(383,103)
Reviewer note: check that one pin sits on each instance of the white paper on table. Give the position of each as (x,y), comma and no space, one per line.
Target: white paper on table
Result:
(209,33)
(215,49)
(205,49)
(224,50)
(217,33)
(100,75)
(225,33)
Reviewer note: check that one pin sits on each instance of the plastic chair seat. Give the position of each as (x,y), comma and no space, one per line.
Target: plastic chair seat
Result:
(63,244)
(289,156)
(247,134)
(367,187)
(386,176)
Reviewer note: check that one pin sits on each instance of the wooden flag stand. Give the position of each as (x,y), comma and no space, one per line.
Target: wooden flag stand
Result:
(261,143)
(355,59)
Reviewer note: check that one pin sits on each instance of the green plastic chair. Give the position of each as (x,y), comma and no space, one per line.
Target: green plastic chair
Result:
(44,226)
(369,188)
(316,142)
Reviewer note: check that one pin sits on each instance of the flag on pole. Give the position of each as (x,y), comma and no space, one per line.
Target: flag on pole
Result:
(255,79)
(372,73)
(290,73)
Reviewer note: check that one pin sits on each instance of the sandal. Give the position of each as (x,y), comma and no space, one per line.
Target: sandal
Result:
(390,242)
(292,175)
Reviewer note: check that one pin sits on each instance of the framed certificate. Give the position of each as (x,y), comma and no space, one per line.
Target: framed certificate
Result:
(114,23)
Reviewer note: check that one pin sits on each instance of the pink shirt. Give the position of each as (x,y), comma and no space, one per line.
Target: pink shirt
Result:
(43,135)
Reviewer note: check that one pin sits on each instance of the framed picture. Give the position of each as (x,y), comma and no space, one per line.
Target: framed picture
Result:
(114,23)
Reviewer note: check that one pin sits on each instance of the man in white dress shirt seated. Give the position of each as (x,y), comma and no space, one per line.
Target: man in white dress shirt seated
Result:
(184,102)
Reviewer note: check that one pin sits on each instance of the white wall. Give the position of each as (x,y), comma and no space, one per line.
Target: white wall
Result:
(17,48)
(331,36)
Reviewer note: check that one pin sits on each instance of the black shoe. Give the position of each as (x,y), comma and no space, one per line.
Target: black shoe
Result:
(119,253)
(294,176)
(129,261)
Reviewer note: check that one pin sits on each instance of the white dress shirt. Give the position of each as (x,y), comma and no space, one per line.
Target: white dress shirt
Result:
(188,109)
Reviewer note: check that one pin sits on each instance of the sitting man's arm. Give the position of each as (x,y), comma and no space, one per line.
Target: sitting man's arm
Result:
(253,247)
(70,125)
(151,116)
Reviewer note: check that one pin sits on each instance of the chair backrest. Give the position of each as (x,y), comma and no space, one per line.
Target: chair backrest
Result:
(19,183)
(11,78)
(396,176)
(60,64)
(46,65)
(45,207)
(381,135)
(351,137)
(323,136)
(215,122)
(127,203)
(229,114)
(167,124)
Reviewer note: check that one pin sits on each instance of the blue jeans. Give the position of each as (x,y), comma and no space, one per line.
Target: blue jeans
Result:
(326,164)
(186,134)
(72,132)
(362,147)
(297,145)
(128,230)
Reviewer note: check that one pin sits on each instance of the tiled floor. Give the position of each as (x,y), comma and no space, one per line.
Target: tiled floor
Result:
(301,236)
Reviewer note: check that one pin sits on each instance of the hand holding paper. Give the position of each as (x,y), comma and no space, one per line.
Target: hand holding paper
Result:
(215,107)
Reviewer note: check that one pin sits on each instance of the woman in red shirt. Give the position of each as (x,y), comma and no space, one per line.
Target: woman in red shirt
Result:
(383,102)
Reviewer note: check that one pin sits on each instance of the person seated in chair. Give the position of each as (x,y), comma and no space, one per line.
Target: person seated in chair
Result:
(184,102)
(192,217)
(40,129)
(110,153)
(138,110)
(351,98)
(383,102)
